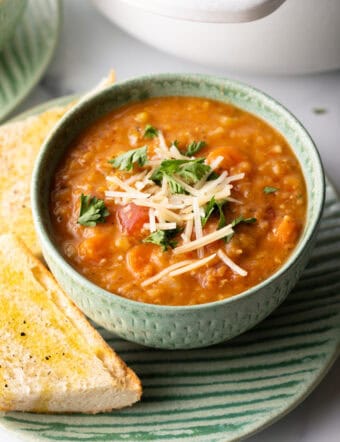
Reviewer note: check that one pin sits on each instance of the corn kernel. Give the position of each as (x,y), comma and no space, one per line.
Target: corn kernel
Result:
(142,117)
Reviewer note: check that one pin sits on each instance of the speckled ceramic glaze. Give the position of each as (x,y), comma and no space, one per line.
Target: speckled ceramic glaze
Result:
(191,326)
(10,13)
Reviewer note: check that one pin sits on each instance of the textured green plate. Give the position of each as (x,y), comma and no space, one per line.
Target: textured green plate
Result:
(229,391)
(25,57)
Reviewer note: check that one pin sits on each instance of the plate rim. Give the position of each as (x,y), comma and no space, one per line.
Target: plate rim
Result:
(41,68)
(333,347)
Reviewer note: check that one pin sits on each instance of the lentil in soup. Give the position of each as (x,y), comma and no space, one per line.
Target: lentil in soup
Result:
(178,201)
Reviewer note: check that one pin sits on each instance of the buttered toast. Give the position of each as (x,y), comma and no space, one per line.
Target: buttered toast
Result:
(51,359)
(20,142)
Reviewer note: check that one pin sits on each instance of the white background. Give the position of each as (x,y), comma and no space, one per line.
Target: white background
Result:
(90,46)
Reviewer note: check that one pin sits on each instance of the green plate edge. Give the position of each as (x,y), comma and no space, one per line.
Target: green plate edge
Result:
(9,421)
(38,72)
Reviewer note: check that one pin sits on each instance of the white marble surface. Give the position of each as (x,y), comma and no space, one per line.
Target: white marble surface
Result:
(89,46)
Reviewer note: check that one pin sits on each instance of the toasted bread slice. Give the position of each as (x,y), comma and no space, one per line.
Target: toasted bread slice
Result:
(19,145)
(51,359)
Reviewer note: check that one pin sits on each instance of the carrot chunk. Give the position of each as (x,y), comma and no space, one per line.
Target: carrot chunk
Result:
(231,156)
(95,248)
(138,260)
(287,231)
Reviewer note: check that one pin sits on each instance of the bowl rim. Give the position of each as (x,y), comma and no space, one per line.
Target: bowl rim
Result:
(205,11)
(90,99)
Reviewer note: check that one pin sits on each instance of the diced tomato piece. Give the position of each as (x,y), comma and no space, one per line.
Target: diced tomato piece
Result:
(131,218)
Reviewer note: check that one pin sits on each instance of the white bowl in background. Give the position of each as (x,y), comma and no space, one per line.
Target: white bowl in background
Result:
(265,36)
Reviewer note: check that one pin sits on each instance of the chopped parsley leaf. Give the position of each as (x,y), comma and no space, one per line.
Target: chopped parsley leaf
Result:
(92,211)
(212,176)
(319,110)
(126,160)
(150,131)
(210,207)
(174,185)
(194,147)
(270,189)
(239,220)
(222,221)
(163,238)
(191,171)
(167,167)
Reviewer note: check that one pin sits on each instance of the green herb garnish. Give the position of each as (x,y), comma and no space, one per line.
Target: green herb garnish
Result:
(194,147)
(175,186)
(191,171)
(167,167)
(319,110)
(239,220)
(92,211)
(213,176)
(126,160)
(150,131)
(163,238)
(210,207)
(270,189)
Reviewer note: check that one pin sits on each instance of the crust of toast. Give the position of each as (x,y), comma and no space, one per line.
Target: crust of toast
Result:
(125,385)
(20,143)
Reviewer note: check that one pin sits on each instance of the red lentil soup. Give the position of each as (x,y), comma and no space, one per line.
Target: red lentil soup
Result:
(178,201)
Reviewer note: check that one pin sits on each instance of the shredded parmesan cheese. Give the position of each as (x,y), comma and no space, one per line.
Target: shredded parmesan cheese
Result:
(152,221)
(164,272)
(175,153)
(160,226)
(164,186)
(132,195)
(167,214)
(216,162)
(198,225)
(187,217)
(162,144)
(228,262)
(207,239)
(213,166)
(154,163)
(133,179)
(234,200)
(213,184)
(141,184)
(133,139)
(123,185)
(168,211)
(193,266)
(188,229)
(238,176)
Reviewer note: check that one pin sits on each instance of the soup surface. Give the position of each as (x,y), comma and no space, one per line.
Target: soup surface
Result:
(178,201)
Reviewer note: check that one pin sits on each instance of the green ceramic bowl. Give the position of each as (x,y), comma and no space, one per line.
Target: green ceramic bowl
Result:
(189,326)
(10,13)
